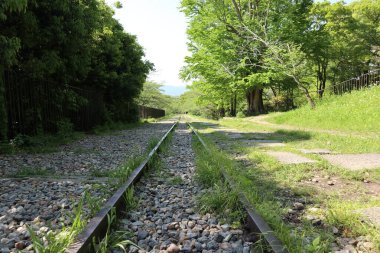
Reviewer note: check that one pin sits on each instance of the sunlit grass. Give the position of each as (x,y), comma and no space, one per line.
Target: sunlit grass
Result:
(266,180)
(357,111)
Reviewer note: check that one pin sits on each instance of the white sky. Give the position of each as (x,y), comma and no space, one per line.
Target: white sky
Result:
(161,29)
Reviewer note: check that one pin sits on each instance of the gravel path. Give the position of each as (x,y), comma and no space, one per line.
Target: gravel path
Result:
(166,220)
(88,155)
(44,204)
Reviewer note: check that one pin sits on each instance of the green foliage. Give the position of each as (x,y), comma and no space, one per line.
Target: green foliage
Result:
(243,50)
(57,242)
(240,115)
(118,5)
(72,54)
(356,111)
(152,96)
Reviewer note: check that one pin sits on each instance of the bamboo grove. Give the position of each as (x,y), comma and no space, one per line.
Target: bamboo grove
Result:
(65,62)
(260,55)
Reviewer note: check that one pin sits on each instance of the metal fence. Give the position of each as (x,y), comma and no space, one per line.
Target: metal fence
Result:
(149,112)
(35,107)
(372,78)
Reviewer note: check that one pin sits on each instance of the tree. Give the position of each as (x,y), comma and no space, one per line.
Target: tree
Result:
(62,52)
(152,96)
(9,46)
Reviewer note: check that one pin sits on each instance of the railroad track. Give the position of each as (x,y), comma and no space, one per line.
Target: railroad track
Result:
(40,193)
(255,222)
(166,220)
(97,227)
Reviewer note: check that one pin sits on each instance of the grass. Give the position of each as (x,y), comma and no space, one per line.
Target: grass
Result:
(218,198)
(273,187)
(356,111)
(31,172)
(57,242)
(298,139)
(175,181)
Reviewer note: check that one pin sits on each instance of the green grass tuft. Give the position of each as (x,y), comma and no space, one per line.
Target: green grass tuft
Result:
(356,111)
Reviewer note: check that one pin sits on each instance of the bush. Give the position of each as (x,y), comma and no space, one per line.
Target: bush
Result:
(65,128)
(240,115)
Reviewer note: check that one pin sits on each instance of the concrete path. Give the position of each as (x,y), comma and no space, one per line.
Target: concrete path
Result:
(372,214)
(354,161)
(289,158)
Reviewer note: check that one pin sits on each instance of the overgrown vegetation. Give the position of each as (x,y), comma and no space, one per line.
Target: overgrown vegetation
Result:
(259,56)
(273,188)
(219,198)
(66,62)
(357,111)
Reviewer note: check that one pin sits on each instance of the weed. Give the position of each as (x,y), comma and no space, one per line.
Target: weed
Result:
(175,180)
(57,242)
(31,172)
(130,200)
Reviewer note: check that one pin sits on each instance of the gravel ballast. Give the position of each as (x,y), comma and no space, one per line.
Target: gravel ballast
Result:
(166,219)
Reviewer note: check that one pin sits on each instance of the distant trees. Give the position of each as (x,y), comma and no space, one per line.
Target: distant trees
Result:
(264,49)
(67,46)
(152,96)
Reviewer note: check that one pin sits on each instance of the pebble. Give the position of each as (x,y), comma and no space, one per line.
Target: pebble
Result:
(173,248)
(92,153)
(298,206)
(330,183)
(175,225)
(45,205)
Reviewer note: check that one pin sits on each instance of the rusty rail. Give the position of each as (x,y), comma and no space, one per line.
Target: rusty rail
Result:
(255,222)
(97,227)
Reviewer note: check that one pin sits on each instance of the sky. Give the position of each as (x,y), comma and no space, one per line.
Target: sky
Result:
(161,29)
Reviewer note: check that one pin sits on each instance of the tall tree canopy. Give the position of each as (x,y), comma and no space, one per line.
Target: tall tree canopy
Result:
(262,49)
(70,54)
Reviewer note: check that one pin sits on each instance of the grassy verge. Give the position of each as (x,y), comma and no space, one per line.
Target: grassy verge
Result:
(273,188)
(303,139)
(356,111)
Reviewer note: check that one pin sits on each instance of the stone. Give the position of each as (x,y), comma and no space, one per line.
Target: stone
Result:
(298,206)
(218,238)
(173,248)
(20,245)
(372,214)
(141,235)
(225,227)
(289,158)
(354,161)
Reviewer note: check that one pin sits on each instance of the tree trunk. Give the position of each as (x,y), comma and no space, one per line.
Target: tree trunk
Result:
(255,101)
(222,112)
(3,109)
(233,105)
(321,78)
(235,102)
(308,97)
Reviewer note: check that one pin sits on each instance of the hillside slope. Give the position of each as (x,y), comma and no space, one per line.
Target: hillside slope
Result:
(358,111)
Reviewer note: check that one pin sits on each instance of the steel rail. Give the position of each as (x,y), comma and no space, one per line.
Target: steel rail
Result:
(255,222)
(97,226)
